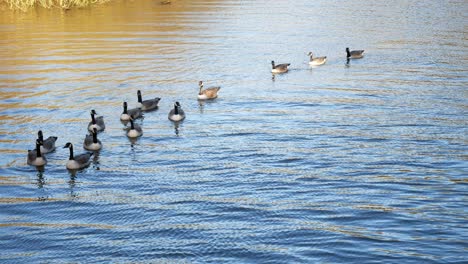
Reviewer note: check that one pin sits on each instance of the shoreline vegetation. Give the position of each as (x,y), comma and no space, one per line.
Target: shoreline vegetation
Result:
(25,5)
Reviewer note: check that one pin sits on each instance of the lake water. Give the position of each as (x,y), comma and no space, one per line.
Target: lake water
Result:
(363,162)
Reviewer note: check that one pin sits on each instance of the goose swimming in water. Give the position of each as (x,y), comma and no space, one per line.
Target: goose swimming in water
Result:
(96,122)
(280,68)
(78,161)
(208,93)
(149,104)
(354,54)
(317,60)
(35,157)
(91,141)
(176,114)
(135,130)
(127,114)
(47,145)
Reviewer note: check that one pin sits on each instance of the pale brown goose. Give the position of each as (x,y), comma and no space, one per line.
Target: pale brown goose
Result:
(317,60)
(208,93)
(280,68)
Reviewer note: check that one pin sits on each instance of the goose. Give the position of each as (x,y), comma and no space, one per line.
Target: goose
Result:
(280,68)
(35,157)
(130,113)
(96,122)
(78,161)
(47,145)
(354,54)
(135,130)
(208,93)
(317,60)
(149,104)
(176,114)
(91,141)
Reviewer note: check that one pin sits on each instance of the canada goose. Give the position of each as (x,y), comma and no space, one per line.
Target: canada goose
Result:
(317,60)
(35,157)
(176,114)
(78,161)
(280,68)
(91,141)
(135,130)
(96,122)
(149,104)
(47,145)
(130,113)
(354,54)
(208,93)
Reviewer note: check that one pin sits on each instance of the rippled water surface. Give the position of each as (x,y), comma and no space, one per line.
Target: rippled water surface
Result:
(345,163)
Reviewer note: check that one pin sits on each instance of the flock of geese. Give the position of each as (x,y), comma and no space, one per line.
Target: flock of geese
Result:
(36,157)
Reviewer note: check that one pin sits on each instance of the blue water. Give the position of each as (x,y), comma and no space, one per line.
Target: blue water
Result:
(363,162)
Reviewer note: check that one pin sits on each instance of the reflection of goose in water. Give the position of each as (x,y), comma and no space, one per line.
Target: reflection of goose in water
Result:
(47,145)
(35,157)
(78,161)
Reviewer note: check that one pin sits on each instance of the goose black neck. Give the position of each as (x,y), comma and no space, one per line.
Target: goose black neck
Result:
(41,137)
(71,153)
(95,137)
(272,64)
(139,97)
(176,109)
(348,54)
(38,150)
(125,108)
(93,120)
(132,126)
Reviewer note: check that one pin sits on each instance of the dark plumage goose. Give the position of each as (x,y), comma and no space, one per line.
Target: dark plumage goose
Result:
(208,93)
(91,141)
(354,54)
(149,104)
(47,145)
(280,68)
(176,114)
(130,113)
(135,130)
(96,122)
(317,60)
(35,157)
(78,161)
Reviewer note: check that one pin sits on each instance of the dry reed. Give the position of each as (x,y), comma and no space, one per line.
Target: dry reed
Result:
(64,4)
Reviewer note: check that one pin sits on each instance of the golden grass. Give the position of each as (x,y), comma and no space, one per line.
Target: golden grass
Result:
(64,4)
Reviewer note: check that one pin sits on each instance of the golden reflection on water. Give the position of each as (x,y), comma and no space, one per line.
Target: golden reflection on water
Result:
(42,41)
